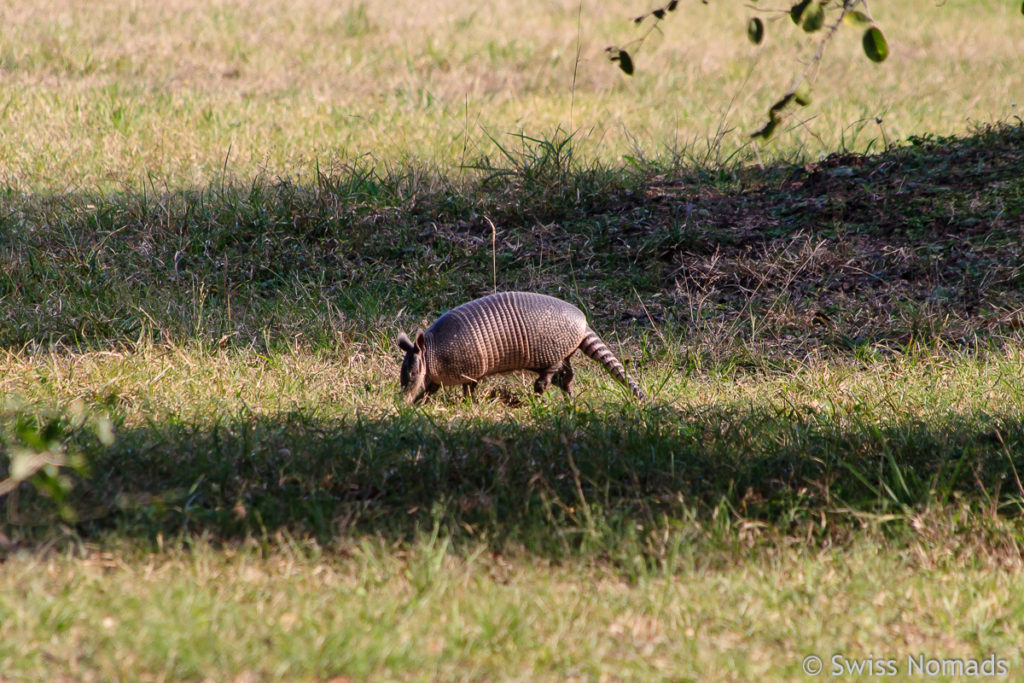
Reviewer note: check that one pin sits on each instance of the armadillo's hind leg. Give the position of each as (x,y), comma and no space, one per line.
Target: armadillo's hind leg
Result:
(563,378)
(561,374)
(468,389)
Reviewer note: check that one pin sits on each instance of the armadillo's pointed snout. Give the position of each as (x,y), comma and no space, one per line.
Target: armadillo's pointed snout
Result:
(414,396)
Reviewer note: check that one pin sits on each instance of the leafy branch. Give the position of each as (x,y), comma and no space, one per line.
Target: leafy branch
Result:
(810,16)
(42,453)
(617,54)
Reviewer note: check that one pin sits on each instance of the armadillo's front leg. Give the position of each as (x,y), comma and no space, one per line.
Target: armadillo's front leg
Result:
(468,389)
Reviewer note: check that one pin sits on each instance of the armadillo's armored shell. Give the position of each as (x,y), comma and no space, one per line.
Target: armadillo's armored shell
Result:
(502,332)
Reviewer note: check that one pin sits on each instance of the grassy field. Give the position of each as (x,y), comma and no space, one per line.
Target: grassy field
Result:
(306,614)
(109,94)
(216,218)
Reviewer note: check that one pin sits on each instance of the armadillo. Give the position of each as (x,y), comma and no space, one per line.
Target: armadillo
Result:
(501,333)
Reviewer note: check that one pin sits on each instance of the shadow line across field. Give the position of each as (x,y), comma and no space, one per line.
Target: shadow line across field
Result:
(574,475)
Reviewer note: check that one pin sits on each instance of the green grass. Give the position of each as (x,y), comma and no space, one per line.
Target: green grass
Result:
(843,378)
(110,95)
(368,610)
(921,242)
(236,444)
(833,355)
(215,220)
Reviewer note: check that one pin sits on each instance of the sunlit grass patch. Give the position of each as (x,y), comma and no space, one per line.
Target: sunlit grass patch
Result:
(305,614)
(109,95)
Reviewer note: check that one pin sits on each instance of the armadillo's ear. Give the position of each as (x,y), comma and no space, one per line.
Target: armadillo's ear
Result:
(420,341)
(404,343)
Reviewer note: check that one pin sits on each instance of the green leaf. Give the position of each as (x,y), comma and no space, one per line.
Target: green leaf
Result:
(796,12)
(625,62)
(875,46)
(105,431)
(777,108)
(802,94)
(622,57)
(755,30)
(33,437)
(765,131)
(857,19)
(813,18)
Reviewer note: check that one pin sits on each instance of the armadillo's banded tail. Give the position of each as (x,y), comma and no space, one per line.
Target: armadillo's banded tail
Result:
(599,351)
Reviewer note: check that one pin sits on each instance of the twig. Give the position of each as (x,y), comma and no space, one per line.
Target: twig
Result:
(494,254)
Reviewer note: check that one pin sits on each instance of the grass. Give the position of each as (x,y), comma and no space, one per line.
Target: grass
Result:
(918,243)
(235,444)
(198,255)
(109,95)
(836,402)
(306,614)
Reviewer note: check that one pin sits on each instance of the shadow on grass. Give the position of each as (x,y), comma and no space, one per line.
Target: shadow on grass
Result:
(574,479)
(920,241)
(851,252)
